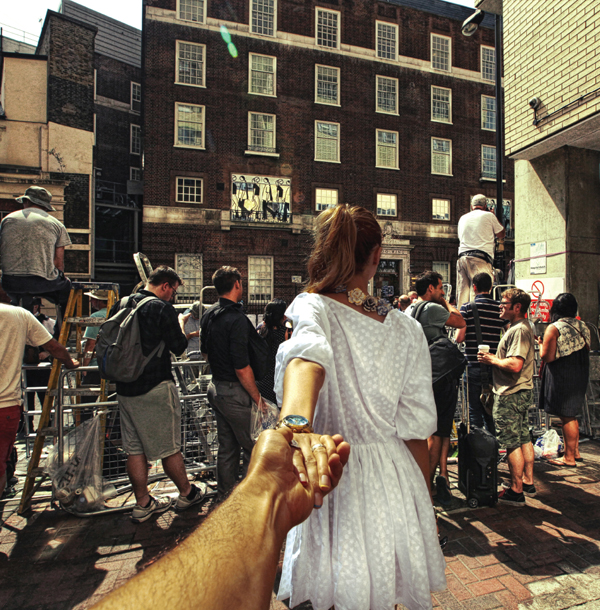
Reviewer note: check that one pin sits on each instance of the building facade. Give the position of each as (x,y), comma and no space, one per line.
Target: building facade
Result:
(259,114)
(552,89)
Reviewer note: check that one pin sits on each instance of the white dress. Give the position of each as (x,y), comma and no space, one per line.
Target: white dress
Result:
(374,543)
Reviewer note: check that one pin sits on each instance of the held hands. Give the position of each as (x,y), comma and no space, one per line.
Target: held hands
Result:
(486,358)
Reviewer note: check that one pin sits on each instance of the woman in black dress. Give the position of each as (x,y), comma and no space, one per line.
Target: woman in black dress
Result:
(273,330)
(565,352)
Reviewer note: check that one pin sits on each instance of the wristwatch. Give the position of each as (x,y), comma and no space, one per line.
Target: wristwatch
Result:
(296,423)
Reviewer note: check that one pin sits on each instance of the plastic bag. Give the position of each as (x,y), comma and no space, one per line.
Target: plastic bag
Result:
(78,485)
(263,418)
(549,445)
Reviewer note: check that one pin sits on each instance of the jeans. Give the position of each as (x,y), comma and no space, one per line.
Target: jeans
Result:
(467,267)
(477,414)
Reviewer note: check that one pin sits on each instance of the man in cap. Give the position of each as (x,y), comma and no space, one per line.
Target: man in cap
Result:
(32,251)
(98,301)
(476,232)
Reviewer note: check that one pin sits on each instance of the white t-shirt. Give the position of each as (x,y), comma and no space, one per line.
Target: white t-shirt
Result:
(18,328)
(476,231)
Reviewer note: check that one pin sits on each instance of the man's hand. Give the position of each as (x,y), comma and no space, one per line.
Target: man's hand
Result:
(73,364)
(487,358)
(196,333)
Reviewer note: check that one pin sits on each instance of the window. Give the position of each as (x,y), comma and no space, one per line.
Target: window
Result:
(136,97)
(440,52)
(327,142)
(488,113)
(440,209)
(260,278)
(262,17)
(190,63)
(135,173)
(327,28)
(443,269)
(192,10)
(387,41)
(441,104)
(325,198)
(327,87)
(441,156)
(189,190)
(189,269)
(488,63)
(387,149)
(189,125)
(387,94)
(262,74)
(387,204)
(488,161)
(261,132)
(136,140)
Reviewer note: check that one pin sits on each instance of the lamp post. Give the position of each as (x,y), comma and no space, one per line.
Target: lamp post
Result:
(469,27)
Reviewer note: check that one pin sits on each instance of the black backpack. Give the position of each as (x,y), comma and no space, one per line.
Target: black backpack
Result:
(258,348)
(446,358)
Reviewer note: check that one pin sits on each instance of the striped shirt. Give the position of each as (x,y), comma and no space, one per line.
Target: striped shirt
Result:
(491,325)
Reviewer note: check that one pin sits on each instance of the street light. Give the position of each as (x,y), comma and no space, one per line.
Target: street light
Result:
(470,25)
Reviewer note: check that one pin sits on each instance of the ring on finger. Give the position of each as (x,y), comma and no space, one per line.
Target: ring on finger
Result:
(318,446)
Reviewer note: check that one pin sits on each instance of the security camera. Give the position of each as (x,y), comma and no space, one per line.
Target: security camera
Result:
(535,102)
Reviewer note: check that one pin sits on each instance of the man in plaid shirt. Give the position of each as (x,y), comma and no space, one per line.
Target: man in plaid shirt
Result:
(149,406)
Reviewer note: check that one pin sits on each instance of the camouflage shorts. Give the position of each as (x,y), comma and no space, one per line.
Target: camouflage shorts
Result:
(510,417)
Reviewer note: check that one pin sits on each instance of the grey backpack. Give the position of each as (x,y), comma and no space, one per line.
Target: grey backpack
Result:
(119,344)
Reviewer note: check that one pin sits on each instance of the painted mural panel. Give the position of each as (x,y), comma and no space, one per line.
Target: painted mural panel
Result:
(261,199)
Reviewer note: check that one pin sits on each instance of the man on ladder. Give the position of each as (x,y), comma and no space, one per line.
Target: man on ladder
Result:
(18,328)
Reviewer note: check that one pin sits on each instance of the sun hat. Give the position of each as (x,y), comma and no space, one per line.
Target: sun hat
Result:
(38,196)
(101,295)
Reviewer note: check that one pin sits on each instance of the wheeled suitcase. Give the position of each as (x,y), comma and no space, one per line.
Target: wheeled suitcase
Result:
(477,463)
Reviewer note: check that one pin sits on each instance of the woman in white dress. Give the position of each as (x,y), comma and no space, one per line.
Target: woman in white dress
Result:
(355,366)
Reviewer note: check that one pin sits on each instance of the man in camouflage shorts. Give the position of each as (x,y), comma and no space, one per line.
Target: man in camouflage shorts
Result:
(513,389)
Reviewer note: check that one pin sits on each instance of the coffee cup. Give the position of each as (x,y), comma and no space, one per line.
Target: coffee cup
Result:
(485,349)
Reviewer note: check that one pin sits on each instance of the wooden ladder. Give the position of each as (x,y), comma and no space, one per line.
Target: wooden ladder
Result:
(72,319)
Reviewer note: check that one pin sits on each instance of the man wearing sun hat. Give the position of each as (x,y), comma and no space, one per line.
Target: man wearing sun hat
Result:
(32,250)
(98,302)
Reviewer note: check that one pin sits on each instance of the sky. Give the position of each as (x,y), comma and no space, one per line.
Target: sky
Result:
(18,16)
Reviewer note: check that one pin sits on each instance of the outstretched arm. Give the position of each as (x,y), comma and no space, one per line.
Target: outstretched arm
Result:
(231,561)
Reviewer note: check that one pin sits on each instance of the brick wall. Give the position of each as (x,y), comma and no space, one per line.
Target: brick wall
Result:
(550,53)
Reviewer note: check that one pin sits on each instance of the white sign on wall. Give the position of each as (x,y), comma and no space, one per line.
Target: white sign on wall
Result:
(537,264)
(549,288)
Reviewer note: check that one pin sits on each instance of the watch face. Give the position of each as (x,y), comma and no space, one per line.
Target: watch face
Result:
(295,420)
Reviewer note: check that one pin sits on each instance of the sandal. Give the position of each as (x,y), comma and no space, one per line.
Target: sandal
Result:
(561,463)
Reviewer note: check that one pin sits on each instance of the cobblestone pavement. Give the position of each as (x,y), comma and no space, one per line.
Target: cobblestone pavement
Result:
(540,557)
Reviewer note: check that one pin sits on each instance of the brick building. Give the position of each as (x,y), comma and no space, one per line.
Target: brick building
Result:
(258,114)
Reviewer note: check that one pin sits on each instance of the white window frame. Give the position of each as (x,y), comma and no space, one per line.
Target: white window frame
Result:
(338,31)
(449,68)
(192,286)
(95,84)
(133,138)
(131,172)
(177,144)
(178,59)
(449,154)
(317,140)
(390,212)
(274,117)
(251,260)
(484,111)
(338,71)
(449,102)
(443,268)
(326,192)
(394,26)
(433,208)
(252,4)
(378,77)
(251,71)
(378,162)
(183,186)
(203,16)
(484,62)
(131,95)
(485,175)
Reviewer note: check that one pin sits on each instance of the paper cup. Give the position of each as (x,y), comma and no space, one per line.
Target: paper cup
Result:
(483,348)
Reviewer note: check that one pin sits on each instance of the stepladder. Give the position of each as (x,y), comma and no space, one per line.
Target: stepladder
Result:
(74,323)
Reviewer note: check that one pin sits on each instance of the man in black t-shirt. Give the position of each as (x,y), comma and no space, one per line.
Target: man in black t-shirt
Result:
(491,327)
(224,342)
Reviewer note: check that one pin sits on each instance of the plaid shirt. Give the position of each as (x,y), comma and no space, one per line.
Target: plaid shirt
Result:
(158,322)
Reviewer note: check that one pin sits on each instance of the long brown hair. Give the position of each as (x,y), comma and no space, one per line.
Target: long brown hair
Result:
(344,239)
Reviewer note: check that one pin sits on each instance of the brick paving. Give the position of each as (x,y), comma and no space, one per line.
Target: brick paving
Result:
(544,556)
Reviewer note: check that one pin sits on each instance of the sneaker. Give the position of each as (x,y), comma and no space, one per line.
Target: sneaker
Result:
(444,497)
(196,496)
(510,497)
(156,506)
(528,490)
